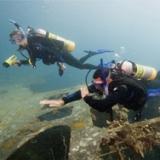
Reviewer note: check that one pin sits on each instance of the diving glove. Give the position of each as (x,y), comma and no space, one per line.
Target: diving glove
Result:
(12,60)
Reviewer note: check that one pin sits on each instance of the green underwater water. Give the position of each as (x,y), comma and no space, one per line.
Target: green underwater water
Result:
(19,106)
(92,24)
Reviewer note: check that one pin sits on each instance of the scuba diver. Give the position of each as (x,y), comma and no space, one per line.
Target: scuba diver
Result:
(113,84)
(108,88)
(50,48)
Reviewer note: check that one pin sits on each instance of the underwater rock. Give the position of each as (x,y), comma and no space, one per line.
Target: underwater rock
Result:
(132,141)
(72,133)
(49,144)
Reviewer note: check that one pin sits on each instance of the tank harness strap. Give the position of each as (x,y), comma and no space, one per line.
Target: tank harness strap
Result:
(134,67)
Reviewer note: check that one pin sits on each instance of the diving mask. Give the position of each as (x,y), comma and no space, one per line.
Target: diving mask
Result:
(101,85)
(17,38)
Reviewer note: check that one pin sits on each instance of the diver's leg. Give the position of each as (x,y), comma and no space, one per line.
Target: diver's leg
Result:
(90,54)
(84,58)
(93,53)
(61,68)
(69,59)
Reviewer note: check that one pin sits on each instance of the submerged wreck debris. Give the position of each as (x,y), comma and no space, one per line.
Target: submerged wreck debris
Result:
(120,140)
(130,141)
(70,134)
(53,143)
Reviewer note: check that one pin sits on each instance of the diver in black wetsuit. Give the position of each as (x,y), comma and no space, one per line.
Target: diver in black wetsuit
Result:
(48,47)
(108,88)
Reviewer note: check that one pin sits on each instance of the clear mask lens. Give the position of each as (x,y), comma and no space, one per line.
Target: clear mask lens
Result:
(12,41)
(16,38)
(101,87)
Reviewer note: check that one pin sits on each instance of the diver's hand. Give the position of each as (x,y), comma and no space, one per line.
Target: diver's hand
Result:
(84,92)
(52,103)
(11,61)
(4,64)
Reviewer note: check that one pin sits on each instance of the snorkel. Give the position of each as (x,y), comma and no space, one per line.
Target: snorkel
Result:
(24,35)
(18,34)
(104,75)
(18,27)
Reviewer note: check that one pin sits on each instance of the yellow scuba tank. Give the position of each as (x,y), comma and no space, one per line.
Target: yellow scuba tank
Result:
(145,72)
(138,71)
(69,45)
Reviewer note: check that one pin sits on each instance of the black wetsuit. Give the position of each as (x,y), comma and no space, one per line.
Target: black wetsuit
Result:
(126,91)
(51,51)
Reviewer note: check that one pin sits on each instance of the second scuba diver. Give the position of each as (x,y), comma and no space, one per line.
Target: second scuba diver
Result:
(124,82)
(108,88)
(48,47)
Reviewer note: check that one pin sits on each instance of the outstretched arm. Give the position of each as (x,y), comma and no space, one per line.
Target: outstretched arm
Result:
(12,61)
(67,99)
(53,103)
(23,62)
(64,100)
